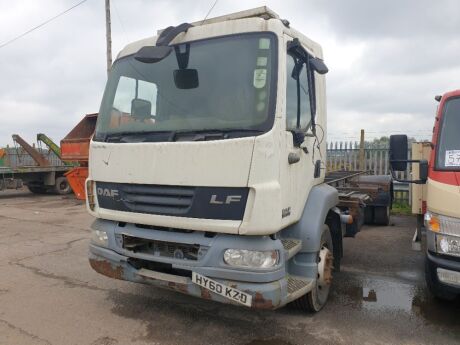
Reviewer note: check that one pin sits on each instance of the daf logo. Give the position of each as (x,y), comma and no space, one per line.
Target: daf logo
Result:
(107,192)
(228,200)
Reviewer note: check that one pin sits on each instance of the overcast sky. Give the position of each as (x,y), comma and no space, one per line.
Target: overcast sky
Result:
(387,59)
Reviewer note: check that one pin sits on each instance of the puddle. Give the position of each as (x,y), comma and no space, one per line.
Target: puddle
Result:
(388,296)
(377,295)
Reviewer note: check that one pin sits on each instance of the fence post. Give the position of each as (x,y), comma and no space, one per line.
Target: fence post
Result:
(361,151)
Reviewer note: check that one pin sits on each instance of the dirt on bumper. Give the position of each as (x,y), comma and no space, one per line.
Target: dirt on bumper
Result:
(261,299)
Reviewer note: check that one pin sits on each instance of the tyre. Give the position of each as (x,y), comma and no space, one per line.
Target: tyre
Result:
(62,186)
(368,215)
(36,189)
(433,284)
(316,299)
(382,215)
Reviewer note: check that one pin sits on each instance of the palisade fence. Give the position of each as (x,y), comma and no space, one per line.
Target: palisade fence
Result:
(346,156)
(18,157)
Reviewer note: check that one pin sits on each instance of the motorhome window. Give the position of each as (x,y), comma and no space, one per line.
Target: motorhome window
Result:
(291,96)
(235,90)
(448,151)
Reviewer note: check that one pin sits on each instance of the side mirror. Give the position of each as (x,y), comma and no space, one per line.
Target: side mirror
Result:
(423,170)
(153,54)
(318,65)
(186,78)
(398,152)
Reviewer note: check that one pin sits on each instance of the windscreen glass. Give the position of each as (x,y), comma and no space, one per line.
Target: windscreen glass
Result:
(448,152)
(222,83)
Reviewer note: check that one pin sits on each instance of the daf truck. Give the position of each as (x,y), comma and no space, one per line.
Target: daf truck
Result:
(436,195)
(207,165)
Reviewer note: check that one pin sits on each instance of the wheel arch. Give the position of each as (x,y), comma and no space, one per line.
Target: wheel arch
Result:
(320,202)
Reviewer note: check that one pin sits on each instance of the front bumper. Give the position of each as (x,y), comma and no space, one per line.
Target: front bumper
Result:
(270,288)
(436,262)
(265,295)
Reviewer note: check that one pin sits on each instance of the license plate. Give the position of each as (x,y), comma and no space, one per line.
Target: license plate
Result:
(223,290)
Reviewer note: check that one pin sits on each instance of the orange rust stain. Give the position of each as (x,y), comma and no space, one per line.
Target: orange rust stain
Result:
(106,268)
(206,294)
(178,287)
(259,302)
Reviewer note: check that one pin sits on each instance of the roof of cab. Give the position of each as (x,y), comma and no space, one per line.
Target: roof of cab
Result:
(262,12)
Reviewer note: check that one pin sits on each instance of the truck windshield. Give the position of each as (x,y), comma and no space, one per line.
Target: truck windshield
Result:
(448,152)
(234,91)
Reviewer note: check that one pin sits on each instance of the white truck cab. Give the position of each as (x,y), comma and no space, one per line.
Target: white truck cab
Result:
(206,170)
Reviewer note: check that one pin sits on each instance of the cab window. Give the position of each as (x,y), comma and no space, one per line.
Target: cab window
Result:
(295,68)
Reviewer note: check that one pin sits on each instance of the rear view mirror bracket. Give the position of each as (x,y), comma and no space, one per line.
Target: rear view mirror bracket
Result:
(156,53)
(168,34)
(423,171)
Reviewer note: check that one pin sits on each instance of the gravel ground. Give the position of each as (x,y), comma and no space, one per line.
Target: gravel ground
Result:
(50,295)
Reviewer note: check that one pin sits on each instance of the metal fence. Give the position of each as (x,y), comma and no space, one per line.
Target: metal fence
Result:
(375,160)
(18,157)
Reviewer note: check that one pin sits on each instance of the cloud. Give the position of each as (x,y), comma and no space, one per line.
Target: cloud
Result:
(387,59)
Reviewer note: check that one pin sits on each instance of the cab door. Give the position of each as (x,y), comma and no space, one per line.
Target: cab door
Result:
(300,160)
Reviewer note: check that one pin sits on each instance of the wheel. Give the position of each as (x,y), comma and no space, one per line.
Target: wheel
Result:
(37,188)
(316,299)
(368,215)
(433,284)
(382,215)
(62,186)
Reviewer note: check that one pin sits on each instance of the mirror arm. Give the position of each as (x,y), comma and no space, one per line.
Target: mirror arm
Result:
(393,173)
(298,137)
(171,32)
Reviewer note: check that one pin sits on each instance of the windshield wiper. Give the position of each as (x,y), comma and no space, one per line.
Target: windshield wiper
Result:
(135,137)
(181,135)
(211,134)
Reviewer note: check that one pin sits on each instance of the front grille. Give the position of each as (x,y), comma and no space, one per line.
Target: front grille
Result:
(158,199)
(226,203)
(174,250)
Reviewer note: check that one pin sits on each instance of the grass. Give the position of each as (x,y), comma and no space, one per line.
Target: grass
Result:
(401,208)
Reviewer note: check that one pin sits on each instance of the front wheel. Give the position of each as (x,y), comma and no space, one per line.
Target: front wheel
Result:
(316,299)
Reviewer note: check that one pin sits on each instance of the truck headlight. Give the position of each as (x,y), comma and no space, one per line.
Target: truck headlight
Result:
(442,224)
(99,238)
(251,258)
(449,245)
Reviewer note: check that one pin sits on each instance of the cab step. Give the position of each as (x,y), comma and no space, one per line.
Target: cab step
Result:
(298,286)
(291,246)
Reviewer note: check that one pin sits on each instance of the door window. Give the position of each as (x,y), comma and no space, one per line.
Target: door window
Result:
(296,68)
